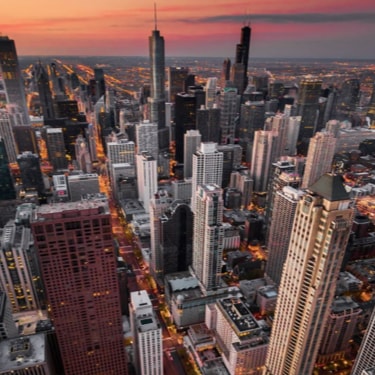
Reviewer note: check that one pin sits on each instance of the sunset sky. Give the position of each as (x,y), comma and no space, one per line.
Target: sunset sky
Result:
(288,28)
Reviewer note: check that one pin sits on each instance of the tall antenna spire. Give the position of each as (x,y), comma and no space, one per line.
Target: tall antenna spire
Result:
(155,17)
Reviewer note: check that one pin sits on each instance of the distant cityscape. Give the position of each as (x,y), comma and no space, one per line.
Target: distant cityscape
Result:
(166,215)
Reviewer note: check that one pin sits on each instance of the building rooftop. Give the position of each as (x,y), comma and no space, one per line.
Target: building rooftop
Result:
(21,353)
(330,187)
(241,317)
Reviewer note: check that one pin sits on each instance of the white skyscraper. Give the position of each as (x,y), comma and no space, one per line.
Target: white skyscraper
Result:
(292,131)
(319,157)
(207,168)
(192,142)
(147,335)
(319,237)
(208,235)
(147,178)
(366,354)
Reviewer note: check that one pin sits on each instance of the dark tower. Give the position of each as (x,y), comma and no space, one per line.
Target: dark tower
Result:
(45,95)
(6,182)
(100,82)
(242,52)
(185,119)
(157,99)
(177,237)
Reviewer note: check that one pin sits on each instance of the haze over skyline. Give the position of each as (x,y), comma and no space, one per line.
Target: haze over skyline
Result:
(334,29)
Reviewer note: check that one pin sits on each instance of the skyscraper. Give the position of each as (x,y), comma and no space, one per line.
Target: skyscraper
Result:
(176,81)
(207,168)
(147,335)
(366,354)
(185,119)
(262,158)
(6,133)
(308,107)
(159,203)
(208,235)
(228,112)
(16,278)
(12,78)
(319,157)
(157,99)
(319,236)
(192,142)
(45,94)
(7,190)
(147,178)
(56,148)
(78,264)
(242,52)
(280,230)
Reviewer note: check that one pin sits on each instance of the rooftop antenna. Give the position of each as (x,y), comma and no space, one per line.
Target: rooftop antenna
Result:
(155,17)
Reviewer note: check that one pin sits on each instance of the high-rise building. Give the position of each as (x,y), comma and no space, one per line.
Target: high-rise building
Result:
(56,148)
(192,142)
(185,119)
(211,92)
(242,341)
(241,181)
(147,138)
(7,190)
(208,123)
(284,207)
(347,99)
(320,233)
(8,329)
(78,264)
(242,53)
(339,330)
(308,107)
(176,238)
(177,77)
(10,75)
(159,203)
(157,99)
(228,103)
(252,118)
(207,168)
(262,157)
(319,157)
(366,354)
(121,151)
(100,82)
(292,132)
(31,174)
(16,277)
(225,72)
(147,178)
(83,156)
(232,155)
(7,135)
(147,335)
(208,235)
(44,90)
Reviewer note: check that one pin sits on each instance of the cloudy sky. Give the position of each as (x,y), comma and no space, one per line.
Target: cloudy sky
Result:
(280,28)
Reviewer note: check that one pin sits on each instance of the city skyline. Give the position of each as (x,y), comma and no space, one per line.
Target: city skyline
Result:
(338,29)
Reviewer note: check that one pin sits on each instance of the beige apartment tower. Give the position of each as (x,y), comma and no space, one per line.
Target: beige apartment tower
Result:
(319,236)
